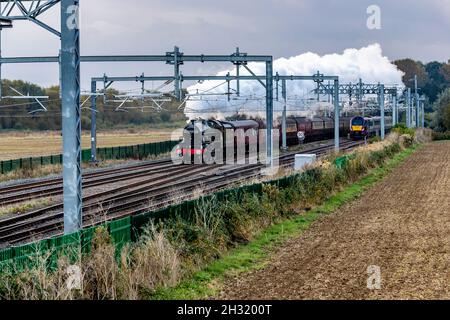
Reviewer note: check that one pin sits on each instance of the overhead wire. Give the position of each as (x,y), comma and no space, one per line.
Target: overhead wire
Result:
(25,104)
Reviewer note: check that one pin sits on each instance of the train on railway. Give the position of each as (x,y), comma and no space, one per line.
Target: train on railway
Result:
(298,130)
(365,127)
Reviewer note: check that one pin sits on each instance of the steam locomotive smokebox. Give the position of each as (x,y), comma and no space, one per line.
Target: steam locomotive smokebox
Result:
(301,160)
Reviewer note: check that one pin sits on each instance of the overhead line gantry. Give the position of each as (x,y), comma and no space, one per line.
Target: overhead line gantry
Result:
(227,78)
(69,60)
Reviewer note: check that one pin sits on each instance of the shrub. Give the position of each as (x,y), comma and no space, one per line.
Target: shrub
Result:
(441,135)
(406,140)
(401,129)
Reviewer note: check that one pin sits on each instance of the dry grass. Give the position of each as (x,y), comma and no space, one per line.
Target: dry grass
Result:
(27,173)
(37,283)
(152,262)
(176,195)
(155,261)
(199,190)
(47,170)
(423,135)
(405,140)
(24,207)
(15,145)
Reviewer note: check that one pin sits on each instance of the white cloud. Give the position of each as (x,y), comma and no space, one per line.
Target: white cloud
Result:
(367,63)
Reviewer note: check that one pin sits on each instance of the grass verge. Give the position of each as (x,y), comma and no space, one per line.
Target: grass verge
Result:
(255,254)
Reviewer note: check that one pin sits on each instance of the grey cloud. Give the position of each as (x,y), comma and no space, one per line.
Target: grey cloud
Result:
(410,28)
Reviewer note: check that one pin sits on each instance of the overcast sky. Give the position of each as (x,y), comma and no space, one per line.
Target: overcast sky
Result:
(419,29)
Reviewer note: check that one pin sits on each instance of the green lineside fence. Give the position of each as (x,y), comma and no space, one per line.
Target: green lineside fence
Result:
(123,152)
(341,162)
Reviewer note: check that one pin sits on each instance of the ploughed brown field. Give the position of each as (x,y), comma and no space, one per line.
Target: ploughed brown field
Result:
(15,145)
(401,225)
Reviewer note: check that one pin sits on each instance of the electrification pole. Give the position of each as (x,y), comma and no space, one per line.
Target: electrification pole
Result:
(416,98)
(1,93)
(360,94)
(336,115)
(284,95)
(408,108)
(94,121)
(4,23)
(381,96)
(71,115)
(176,61)
(269,110)
(238,85)
(394,110)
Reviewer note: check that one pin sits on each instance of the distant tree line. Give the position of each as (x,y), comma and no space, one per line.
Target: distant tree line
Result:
(441,114)
(433,77)
(21,114)
(433,81)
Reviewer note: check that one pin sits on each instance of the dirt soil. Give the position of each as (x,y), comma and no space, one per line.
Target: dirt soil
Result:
(402,225)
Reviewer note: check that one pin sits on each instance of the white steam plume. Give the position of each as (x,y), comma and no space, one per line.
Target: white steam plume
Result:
(367,63)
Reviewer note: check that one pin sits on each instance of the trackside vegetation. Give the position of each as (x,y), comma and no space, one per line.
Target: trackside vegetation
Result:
(441,136)
(187,257)
(254,255)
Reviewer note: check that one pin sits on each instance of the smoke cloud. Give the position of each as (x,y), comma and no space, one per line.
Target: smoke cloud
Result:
(367,63)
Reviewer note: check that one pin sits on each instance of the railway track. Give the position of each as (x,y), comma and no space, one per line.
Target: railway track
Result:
(17,193)
(155,191)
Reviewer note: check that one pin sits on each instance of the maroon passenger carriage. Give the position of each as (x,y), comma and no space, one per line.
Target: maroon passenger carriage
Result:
(298,130)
